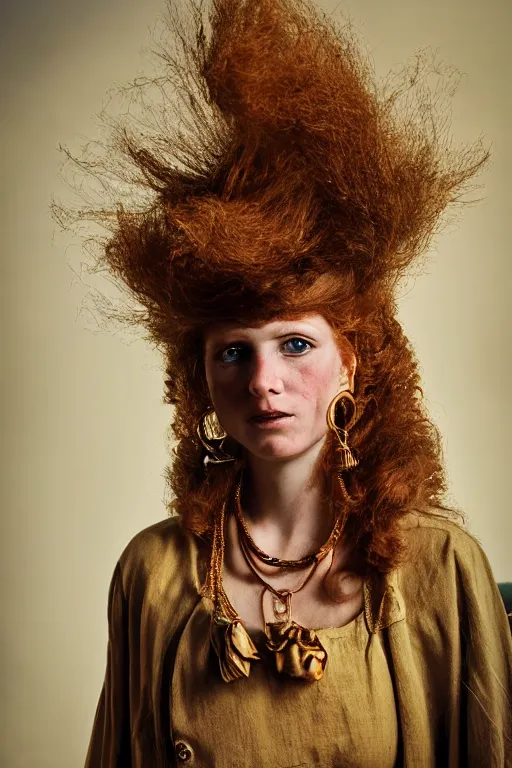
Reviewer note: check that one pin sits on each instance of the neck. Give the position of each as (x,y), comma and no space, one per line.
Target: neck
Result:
(286,504)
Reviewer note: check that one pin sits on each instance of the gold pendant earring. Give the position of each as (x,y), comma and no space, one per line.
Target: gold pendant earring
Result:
(213,436)
(348,460)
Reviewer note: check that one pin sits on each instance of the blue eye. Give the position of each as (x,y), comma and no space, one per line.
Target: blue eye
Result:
(229,349)
(243,351)
(301,341)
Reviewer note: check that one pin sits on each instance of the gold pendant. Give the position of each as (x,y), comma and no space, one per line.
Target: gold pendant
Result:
(280,607)
(297,650)
(233,646)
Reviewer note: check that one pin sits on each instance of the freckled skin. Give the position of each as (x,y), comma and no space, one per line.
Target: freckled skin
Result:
(263,371)
(287,519)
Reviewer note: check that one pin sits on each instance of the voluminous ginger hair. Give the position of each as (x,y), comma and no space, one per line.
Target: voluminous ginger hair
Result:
(271,177)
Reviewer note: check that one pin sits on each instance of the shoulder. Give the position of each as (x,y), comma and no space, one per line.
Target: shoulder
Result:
(161,553)
(445,563)
(432,536)
(156,541)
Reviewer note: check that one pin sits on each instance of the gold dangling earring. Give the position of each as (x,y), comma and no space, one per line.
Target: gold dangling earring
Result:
(347,458)
(212,436)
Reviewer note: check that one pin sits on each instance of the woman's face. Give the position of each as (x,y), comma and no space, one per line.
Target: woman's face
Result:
(292,366)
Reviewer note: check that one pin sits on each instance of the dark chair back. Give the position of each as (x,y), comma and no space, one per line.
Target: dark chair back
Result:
(506,593)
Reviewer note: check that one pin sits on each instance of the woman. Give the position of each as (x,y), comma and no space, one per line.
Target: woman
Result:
(311,601)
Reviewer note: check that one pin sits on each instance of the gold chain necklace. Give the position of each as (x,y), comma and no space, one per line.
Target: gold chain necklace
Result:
(282,598)
(277,562)
(296,649)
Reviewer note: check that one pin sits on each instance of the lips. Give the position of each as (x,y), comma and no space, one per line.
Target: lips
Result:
(268,415)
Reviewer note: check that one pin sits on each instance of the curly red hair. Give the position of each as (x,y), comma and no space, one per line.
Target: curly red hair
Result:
(290,181)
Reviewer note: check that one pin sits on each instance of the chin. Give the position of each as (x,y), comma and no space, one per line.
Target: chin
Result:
(272,449)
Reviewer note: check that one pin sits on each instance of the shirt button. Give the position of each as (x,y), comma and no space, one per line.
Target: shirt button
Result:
(183,751)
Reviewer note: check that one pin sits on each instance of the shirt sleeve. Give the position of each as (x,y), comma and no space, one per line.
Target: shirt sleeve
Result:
(486,685)
(109,745)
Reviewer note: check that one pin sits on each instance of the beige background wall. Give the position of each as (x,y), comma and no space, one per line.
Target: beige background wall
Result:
(84,426)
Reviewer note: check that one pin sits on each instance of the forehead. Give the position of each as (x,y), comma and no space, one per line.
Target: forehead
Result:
(313,323)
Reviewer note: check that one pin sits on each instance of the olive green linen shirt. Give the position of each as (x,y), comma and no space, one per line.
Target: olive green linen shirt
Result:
(439,618)
(348,718)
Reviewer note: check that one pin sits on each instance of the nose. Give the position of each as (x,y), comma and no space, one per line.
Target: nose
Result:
(265,376)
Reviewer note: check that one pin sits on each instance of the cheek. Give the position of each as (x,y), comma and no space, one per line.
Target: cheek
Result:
(227,401)
(318,384)
(218,385)
(223,391)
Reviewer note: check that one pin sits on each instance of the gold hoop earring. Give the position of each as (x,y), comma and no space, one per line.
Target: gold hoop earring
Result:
(212,436)
(347,458)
